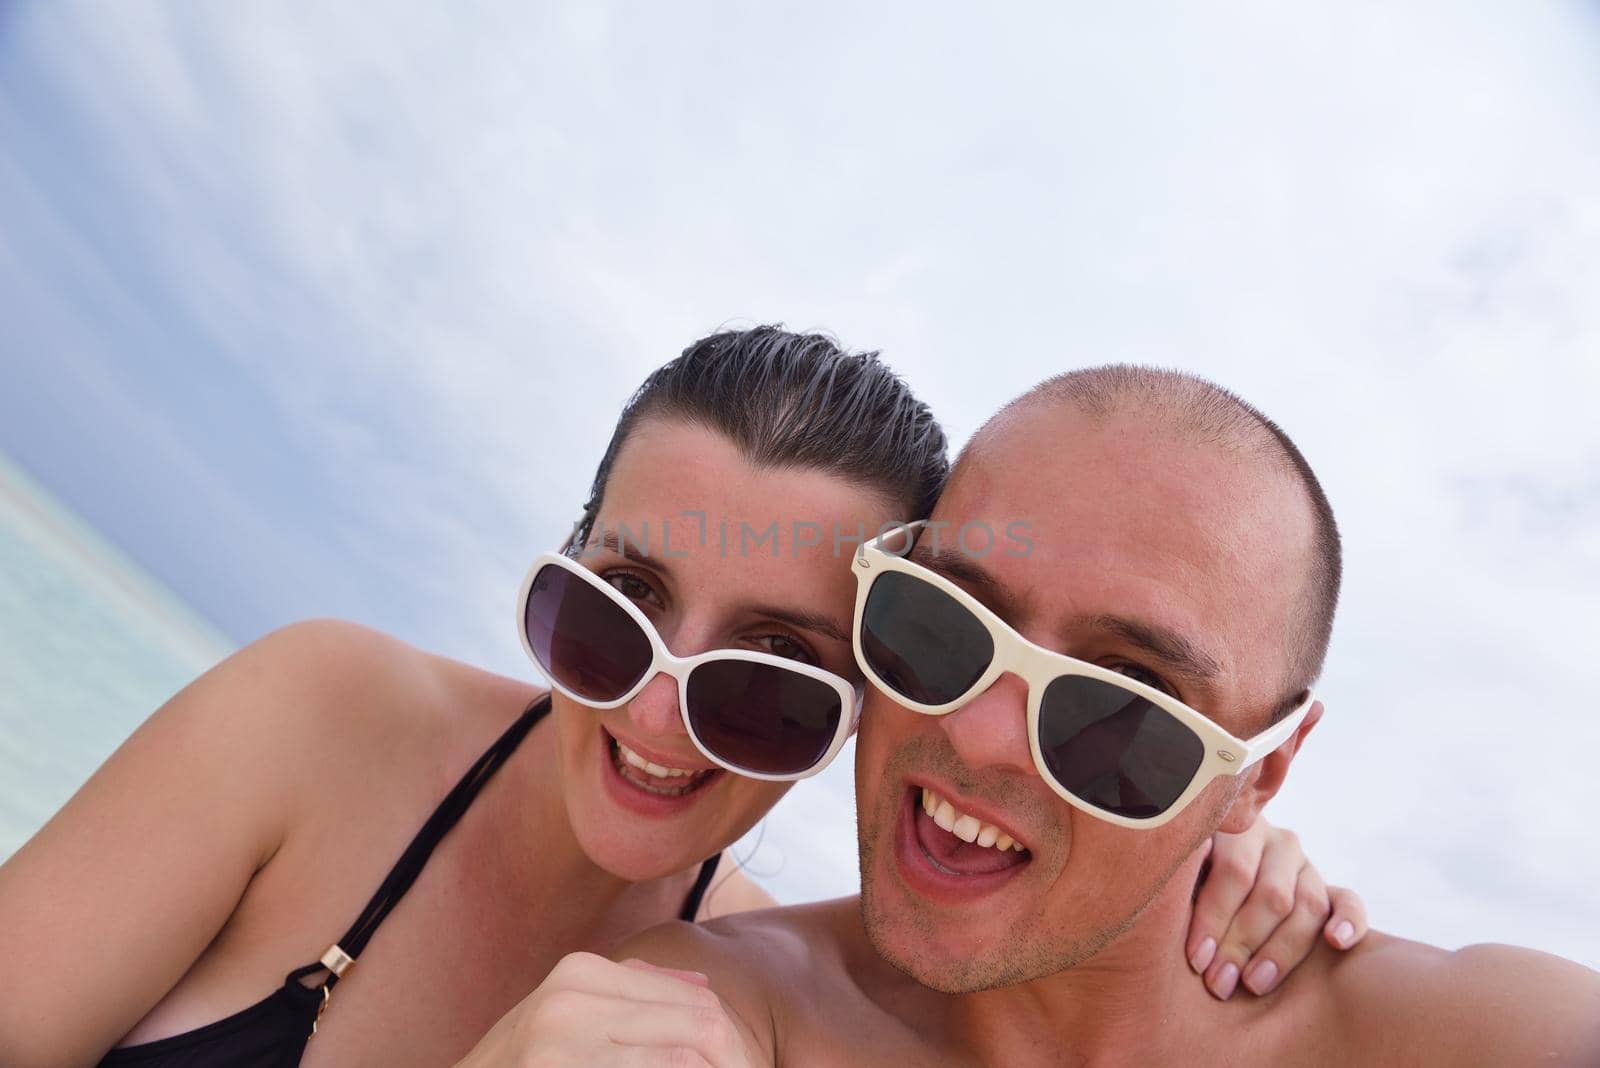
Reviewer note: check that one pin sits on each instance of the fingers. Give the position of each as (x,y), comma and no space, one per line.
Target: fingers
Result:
(1234,859)
(570,1026)
(1348,924)
(697,978)
(707,1032)
(592,1011)
(1268,903)
(1295,938)
(588,973)
(646,1057)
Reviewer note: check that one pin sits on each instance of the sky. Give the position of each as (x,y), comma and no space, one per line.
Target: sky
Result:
(327,310)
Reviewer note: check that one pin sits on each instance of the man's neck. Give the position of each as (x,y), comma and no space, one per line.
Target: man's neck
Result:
(1135,1001)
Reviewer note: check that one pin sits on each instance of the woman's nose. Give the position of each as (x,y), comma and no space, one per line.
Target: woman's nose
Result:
(654,710)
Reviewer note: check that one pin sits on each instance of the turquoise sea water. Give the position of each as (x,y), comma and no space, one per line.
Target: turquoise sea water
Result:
(89,646)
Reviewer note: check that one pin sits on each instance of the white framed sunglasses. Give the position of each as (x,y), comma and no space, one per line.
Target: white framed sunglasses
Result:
(752,713)
(1110,745)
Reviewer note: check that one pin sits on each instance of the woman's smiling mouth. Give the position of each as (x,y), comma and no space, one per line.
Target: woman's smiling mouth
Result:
(659,786)
(657,778)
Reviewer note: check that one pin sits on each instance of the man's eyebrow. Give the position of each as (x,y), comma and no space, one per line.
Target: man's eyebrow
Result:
(954,564)
(816,622)
(628,550)
(1174,650)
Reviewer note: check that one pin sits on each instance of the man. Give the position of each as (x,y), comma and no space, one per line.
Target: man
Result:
(1029,846)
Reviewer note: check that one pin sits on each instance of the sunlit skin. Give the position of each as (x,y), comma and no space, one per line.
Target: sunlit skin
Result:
(705,598)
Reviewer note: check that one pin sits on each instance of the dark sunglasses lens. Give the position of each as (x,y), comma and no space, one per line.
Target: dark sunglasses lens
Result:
(582,638)
(762,718)
(920,641)
(1114,749)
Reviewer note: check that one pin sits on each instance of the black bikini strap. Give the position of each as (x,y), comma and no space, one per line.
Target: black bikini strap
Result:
(691,904)
(341,955)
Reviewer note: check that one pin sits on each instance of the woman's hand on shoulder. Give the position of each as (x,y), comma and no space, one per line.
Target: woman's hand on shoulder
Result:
(593,1011)
(1262,909)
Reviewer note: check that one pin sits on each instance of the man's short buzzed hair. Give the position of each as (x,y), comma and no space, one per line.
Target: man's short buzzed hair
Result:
(1213,415)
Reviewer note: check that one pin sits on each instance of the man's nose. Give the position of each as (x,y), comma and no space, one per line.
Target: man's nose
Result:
(991,730)
(654,710)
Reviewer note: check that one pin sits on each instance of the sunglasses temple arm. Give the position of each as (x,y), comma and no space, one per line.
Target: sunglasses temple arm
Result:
(1274,736)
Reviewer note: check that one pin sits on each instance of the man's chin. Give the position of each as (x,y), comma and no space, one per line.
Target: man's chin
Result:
(918,939)
(958,964)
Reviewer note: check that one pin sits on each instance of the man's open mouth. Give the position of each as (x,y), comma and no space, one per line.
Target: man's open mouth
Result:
(959,844)
(951,855)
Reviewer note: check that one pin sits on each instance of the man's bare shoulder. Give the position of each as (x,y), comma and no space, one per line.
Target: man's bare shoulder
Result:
(750,957)
(804,981)
(1398,1000)
(793,942)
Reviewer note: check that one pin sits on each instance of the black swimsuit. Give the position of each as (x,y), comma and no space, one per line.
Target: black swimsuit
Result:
(272,1033)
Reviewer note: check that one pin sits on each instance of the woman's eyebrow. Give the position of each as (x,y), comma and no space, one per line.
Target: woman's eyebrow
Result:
(628,550)
(816,622)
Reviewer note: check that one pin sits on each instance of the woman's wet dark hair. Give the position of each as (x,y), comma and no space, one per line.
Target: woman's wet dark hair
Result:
(794,400)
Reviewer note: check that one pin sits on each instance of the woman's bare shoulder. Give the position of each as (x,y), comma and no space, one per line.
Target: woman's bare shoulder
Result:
(345,683)
(238,769)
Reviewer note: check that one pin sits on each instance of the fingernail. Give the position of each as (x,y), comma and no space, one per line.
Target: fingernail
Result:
(1343,933)
(1227,980)
(1261,977)
(1202,955)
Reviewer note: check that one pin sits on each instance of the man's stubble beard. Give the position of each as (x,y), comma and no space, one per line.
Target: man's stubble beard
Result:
(1027,953)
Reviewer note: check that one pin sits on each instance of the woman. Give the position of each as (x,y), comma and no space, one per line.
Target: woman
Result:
(247,823)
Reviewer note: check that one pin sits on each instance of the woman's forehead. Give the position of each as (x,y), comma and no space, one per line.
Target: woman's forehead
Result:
(693,488)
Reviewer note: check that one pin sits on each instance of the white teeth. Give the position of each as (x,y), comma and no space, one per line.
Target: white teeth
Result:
(650,767)
(653,778)
(965,827)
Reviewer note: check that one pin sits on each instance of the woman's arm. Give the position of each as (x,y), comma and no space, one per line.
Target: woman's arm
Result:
(105,909)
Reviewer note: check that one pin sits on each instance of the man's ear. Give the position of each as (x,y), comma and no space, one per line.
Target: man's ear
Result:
(1266,778)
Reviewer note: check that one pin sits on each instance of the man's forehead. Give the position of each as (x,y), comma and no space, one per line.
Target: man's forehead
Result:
(1081,479)
(1106,517)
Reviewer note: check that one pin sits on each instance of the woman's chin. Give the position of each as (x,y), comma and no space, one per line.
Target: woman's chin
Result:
(639,858)
(639,846)
(638,827)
